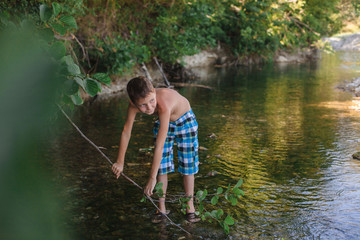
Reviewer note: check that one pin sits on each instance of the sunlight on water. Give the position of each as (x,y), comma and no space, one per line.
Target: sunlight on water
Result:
(285,130)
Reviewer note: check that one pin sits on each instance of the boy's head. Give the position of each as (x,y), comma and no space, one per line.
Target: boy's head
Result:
(138,88)
(142,94)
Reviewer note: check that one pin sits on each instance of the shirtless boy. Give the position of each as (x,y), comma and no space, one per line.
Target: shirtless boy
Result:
(176,121)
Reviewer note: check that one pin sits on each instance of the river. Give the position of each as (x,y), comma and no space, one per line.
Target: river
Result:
(284,129)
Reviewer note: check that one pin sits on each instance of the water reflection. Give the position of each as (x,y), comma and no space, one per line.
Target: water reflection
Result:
(284,129)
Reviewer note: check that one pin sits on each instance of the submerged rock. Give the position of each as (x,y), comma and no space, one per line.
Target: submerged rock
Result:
(356,155)
(352,86)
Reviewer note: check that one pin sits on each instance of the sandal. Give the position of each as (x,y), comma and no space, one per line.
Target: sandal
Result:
(191,218)
(159,217)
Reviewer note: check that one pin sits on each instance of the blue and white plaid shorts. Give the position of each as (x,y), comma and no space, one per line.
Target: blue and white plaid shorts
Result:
(184,130)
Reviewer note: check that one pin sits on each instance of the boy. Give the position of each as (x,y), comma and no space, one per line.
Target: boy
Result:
(176,121)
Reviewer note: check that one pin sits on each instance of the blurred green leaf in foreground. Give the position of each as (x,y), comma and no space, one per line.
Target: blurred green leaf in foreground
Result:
(28,206)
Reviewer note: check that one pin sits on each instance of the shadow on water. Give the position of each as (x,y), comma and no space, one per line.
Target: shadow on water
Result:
(279,127)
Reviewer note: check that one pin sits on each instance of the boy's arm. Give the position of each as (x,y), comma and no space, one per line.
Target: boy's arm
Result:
(124,140)
(164,118)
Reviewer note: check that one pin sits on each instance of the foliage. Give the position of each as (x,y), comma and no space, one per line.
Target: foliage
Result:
(185,32)
(60,26)
(118,54)
(118,35)
(356,5)
(323,16)
(230,195)
(54,30)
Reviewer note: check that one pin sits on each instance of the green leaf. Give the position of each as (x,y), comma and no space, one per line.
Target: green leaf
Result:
(74,69)
(102,77)
(77,100)
(213,213)
(58,50)
(80,82)
(71,66)
(201,208)
(242,193)
(229,220)
(70,87)
(226,229)
(59,28)
(56,9)
(239,183)
(143,199)
(237,192)
(220,190)
(45,12)
(233,201)
(92,87)
(205,194)
(214,200)
(199,194)
(69,20)
(220,212)
(158,186)
(228,189)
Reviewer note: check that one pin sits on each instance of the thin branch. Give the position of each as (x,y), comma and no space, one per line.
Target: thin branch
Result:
(111,163)
(162,72)
(178,84)
(85,55)
(71,37)
(305,25)
(144,68)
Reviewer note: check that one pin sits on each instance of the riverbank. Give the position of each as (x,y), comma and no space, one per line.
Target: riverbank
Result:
(347,42)
(200,65)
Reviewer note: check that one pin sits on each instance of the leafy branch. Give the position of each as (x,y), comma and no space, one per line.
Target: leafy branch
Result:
(231,196)
(57,31)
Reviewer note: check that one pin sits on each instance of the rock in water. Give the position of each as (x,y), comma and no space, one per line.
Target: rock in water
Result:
(356,155)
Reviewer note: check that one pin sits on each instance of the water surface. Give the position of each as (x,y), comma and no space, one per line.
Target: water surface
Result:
(285,129)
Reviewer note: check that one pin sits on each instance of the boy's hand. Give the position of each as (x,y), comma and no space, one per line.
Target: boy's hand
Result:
(148,190)
(117,169)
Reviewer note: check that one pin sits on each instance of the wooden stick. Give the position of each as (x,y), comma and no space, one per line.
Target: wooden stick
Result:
(162,72)
(144,68)
(177,84)
(85,56)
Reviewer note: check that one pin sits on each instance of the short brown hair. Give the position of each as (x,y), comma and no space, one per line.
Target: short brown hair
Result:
(139,87)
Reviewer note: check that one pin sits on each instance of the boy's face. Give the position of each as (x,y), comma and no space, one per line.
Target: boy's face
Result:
(147,105)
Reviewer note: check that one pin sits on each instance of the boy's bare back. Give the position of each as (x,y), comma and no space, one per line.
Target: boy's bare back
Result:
(168,99)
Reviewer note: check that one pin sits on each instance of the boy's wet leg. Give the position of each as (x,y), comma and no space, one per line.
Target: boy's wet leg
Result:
(163,178)
(189,181)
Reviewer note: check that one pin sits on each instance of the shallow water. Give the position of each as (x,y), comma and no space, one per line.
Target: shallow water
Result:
(285,129)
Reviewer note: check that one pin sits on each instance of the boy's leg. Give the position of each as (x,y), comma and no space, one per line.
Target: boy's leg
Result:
(167,164)
(163,178)
(189,181)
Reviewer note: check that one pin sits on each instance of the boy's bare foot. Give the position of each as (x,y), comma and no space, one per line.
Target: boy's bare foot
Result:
(191,217)
(159,217)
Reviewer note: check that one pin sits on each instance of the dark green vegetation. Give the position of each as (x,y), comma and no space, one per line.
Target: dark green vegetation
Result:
(114,36)
(216,213)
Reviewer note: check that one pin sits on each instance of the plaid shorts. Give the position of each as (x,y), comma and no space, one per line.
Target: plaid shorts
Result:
(184,130)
